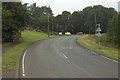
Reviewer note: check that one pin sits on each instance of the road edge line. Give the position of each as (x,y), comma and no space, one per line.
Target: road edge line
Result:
(23,63)
(94,52)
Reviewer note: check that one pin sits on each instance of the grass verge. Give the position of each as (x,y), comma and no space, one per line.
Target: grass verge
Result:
(90,42)
(6,44)
(10,57)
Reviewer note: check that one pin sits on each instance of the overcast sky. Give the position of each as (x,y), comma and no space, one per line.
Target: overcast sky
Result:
(58,6)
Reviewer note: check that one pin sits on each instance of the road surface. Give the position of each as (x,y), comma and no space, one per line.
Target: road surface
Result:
(62,57)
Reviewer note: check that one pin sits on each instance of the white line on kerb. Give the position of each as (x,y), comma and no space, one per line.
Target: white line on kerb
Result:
(93,52)
(23,62)
(65,56)
(109,59)
(115,61)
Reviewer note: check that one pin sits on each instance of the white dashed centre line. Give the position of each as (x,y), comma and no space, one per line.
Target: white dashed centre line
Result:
(65,56)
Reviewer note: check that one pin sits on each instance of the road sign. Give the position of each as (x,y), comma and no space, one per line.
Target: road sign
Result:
(99,34)
(98,29)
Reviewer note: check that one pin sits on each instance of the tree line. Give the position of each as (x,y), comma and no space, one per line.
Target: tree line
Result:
(84,21)
(113,28)
(17,16)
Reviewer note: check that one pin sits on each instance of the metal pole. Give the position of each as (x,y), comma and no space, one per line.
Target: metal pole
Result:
(98,41)
(57,28)
(98,36)
(48,26)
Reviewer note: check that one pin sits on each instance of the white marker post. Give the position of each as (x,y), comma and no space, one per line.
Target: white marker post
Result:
(99,34)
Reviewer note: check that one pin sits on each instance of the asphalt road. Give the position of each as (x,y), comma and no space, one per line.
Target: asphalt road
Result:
(63,58)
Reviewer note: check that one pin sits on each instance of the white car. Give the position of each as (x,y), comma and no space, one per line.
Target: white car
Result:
(60,33)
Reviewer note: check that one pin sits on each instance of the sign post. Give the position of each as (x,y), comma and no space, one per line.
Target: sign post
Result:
(99,34)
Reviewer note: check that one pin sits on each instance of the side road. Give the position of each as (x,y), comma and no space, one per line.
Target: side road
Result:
(13,45)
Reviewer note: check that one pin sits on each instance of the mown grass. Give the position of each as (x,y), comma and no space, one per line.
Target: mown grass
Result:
(27,35)
(107,48)
(10,57)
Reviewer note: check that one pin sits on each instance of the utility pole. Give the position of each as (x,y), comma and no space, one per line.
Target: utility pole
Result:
(57,28)
(95,24)
(52,26)
(48,25)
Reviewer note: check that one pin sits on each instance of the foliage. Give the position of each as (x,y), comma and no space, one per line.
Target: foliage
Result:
(39,16)
(77,22)
(112,31)
(84,21)
(14,17)
(10,58)
(90,42)
(63,21)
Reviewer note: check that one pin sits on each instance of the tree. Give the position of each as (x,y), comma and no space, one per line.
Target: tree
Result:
(14,17)
(59,23)
(103,15)
(84,21)
(77,21)
(112,31)
(63,21)
(39,16)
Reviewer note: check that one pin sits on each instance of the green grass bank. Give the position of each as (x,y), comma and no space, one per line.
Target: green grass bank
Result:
(10,57)
(107,48)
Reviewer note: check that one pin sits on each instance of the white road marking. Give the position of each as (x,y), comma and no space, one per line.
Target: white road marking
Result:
(65,56)
(109,59)
(105,57)
(115,61)
(66,47)
(23,63)
(93,52)
(23,74)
